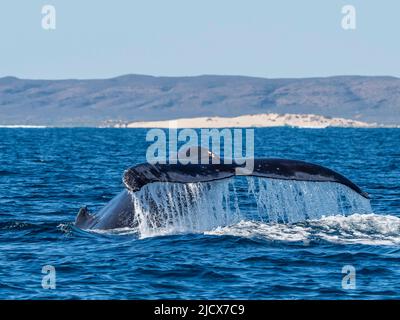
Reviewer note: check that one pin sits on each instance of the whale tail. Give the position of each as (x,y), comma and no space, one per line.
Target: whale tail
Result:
(160,195)
(283,169)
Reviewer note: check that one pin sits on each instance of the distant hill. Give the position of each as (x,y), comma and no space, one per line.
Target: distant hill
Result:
(133,98)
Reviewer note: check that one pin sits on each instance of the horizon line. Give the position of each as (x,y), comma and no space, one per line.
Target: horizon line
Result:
(199,76)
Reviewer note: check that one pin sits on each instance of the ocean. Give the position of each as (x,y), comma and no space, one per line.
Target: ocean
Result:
(47,174)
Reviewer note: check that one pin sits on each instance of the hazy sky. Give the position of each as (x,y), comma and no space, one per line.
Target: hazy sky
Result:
(280,38)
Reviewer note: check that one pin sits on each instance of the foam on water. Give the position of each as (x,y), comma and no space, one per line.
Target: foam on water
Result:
(367,229)
(169,208)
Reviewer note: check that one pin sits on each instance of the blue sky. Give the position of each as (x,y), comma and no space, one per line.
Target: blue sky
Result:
(280,38)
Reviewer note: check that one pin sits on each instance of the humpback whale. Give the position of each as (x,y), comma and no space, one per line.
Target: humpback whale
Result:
(120,211)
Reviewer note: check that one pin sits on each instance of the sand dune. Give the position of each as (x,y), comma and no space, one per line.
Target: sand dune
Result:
(258,120)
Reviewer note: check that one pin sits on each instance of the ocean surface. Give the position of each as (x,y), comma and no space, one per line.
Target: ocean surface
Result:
(46,175)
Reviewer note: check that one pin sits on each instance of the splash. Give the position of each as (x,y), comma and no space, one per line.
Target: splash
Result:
(170,208)
(293,201)
(366,229)
(165,208)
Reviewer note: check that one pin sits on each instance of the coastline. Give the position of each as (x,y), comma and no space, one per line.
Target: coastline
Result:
(18,126)
(265,120)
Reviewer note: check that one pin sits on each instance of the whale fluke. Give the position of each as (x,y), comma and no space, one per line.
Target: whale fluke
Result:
(136,177)
(84,219)
(122,211)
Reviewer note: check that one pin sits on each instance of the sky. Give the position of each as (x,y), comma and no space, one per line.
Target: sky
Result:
(272,39)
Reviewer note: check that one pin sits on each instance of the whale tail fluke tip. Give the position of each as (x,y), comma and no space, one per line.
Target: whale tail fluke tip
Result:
(84,218)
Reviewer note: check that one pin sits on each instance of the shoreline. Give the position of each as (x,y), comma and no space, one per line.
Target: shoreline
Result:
(266,120)
(22,126)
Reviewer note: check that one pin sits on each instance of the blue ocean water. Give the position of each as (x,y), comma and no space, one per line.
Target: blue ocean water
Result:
(46,175)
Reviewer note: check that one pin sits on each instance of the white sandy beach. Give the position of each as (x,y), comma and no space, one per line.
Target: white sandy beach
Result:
(258,120)
(22,126)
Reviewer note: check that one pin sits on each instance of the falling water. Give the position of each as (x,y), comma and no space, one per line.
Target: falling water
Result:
(173,207)
(164,208)
(287,201)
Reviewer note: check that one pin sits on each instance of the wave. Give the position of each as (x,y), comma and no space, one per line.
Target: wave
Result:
(364,229)
(367,229)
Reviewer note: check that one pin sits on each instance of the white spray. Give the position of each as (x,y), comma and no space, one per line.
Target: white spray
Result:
(168,208)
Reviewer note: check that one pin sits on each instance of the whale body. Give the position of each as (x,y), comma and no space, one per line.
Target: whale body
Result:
(120,211)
